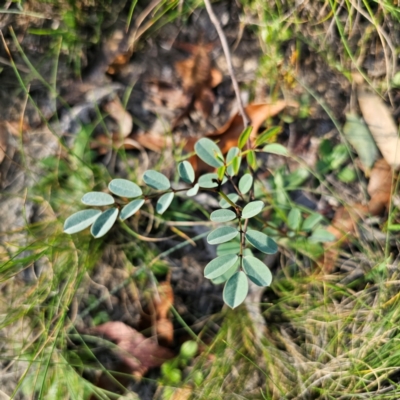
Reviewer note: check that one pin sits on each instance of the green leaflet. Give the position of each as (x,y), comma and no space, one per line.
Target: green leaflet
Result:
(97,199)
(222,235)
(222,215)
(257,271)
(236,289)
(124,188)
(261,242)
(156,180)
(186,171)
(252,209)
(104,222)
(219,266)
(131,208)
(81,220)
(209,152)
(164,202)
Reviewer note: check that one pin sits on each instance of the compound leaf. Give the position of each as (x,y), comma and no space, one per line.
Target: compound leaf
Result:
(219,266)
(131,208)
(164,202)
(261,242)
(222,235)
(222,215)
(124,188)
(252,209)
(156,180)
(208,151)
(104,222)
(81,220)
(245,183)
(97,199)
(186,171)
(257,271)
(236,289)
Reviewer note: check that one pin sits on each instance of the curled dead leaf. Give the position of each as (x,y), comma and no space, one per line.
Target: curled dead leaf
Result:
(198,78)
(123,118)
(381,125)
(343,224)
(229,133)
(380,187)
(3,140)
(136,352)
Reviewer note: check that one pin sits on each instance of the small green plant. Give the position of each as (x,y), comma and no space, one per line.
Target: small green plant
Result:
(242,229)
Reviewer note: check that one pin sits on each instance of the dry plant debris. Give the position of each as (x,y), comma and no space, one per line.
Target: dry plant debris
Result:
(136,353)
(381,125)
(380,187)
(198,78)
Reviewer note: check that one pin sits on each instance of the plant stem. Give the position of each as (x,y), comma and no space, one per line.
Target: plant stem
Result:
(225,47)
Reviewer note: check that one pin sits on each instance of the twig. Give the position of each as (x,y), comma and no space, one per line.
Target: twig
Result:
(225,47)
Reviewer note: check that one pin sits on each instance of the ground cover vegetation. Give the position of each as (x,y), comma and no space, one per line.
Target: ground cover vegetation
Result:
(199,200)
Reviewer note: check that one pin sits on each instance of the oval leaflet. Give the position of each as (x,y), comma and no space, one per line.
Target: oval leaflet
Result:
(220,265)
(124,188)
(156,180)
(257,271)
(236,289)
(222,215)
(81,220)
(97,199)
(261,242)
(222,235)
(104,222)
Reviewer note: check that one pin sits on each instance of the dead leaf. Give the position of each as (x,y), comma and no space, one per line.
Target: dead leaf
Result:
(183,393)
(157,314)
(166,95)
(229,133)
(3,140)
(198,78)
(381,125)
(344,223)
(123,118)
(380,187)
(136,352)
(162,304)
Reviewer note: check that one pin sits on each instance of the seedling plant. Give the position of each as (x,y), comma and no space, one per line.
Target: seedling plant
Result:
(242,229)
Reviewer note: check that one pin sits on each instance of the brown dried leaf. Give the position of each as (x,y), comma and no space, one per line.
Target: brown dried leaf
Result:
(229,133)
(124,119)
(198,77)
(165,95)
(136,352)
(380,187)
(343,224)
(152,141)
(3,140)
(381,125)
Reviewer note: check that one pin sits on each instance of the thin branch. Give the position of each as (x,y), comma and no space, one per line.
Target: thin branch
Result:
(225,47)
